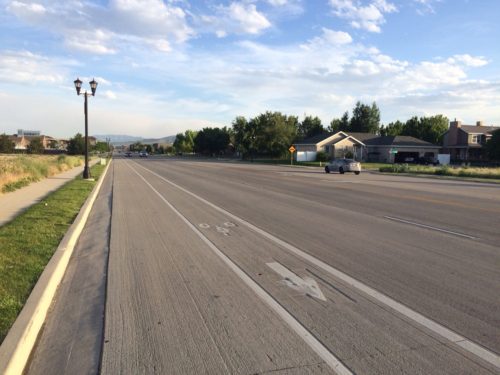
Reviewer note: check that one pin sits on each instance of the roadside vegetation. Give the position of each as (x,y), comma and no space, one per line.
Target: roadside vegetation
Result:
(28,242)
(17,171)
(445,170)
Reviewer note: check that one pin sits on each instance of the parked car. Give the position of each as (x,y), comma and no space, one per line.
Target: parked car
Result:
(143,154)
(128,154)
(343,165)
(427,160)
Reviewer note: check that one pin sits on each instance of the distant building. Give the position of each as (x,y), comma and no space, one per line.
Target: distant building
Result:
(28,133)
(467,142)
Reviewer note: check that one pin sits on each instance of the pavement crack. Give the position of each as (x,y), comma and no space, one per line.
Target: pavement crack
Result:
(288,368)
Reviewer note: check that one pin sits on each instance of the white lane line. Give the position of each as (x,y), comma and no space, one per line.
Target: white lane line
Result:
(437,328)
(429,227)
(333,362)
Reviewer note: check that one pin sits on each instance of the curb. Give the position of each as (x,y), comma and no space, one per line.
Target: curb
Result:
(16,348)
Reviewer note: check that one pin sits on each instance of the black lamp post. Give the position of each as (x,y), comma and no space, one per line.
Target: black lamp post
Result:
(93,87)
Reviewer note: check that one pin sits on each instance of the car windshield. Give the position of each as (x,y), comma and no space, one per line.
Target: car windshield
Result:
(349,160)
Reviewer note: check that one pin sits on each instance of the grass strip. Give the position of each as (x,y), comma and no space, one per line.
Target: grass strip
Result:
(445,170)
(28,242)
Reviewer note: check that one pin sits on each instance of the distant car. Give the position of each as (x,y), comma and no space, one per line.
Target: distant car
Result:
(143,154)
(343,165)
(128,154)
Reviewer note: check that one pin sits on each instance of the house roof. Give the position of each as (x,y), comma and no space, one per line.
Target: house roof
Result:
(479,129)
(315,139)
(398,140)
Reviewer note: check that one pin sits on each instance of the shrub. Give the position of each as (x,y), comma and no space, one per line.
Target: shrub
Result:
(322,156)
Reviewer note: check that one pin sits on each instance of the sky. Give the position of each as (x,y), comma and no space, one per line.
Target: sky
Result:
(163,67)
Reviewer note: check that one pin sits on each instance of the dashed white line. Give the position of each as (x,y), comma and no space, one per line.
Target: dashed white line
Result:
(430,227)
(435,327)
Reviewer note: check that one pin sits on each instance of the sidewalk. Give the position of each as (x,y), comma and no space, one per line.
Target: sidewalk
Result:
(12,204)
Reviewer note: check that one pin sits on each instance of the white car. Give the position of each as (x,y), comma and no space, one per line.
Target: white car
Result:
(143,154)
(343,165)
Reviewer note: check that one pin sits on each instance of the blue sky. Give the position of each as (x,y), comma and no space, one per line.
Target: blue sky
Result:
(167,66)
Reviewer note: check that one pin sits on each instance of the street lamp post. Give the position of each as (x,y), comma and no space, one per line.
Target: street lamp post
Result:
(86,94)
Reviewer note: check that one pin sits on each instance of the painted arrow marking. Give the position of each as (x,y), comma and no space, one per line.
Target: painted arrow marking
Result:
(305,285)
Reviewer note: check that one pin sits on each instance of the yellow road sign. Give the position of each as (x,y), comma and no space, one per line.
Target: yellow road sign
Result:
(291,149)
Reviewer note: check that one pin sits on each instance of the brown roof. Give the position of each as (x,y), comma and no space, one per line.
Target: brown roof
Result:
(479,129)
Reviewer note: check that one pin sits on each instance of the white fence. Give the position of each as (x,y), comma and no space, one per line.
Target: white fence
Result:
(306,155)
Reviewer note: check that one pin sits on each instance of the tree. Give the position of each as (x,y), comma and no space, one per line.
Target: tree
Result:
(341,124)
(185,142)
(211,141)
(76,145)
(6,145)
(365,119)
(310,127)
(35,146)
(430,129)
(101,147)
(493,146)
(136,146)
(393,128)
(270,134)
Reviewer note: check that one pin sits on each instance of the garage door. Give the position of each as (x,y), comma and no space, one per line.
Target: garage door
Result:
(406,157)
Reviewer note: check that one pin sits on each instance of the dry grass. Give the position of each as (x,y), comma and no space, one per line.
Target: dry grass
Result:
(20,170)
(488,173)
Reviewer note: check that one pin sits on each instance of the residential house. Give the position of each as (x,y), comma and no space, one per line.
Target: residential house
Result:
(467,142)
(365,147)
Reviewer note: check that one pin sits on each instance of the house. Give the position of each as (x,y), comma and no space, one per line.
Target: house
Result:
(467,142)
(336,145)
(399,149)
(21,141)
(365,147)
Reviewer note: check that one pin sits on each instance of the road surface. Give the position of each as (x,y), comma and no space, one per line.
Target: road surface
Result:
(253,269)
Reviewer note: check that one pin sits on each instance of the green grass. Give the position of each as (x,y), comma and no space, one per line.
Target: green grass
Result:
(28,242)
(445,170)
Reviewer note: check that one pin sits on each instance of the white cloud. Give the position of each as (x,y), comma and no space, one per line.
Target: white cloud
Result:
(468,60)
(110,94)
(426,6)
(368,17)
(277,3)
(238,17)
(88,27)
(29,68)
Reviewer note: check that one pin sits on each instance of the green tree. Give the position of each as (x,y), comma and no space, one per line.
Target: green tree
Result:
(76,145)
(101,147)
(185,142)
(310,127)
(35,146)
(211,141)
(365,118)
(430,129)
(493,146)
(393,128)
(274,133)
(341,124)
(6,145)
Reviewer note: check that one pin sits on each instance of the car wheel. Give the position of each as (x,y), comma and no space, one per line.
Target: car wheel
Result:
(356,173)
(341,170)
(327,170)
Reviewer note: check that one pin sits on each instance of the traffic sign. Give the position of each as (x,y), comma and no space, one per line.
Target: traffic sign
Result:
(393,151)
(291,149)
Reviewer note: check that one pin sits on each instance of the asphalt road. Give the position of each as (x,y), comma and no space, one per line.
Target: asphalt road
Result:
(250,269)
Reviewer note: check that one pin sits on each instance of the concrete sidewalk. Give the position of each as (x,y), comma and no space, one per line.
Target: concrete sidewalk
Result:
(12,204)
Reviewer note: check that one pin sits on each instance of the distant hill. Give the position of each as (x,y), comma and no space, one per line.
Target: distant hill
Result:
(127,139)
